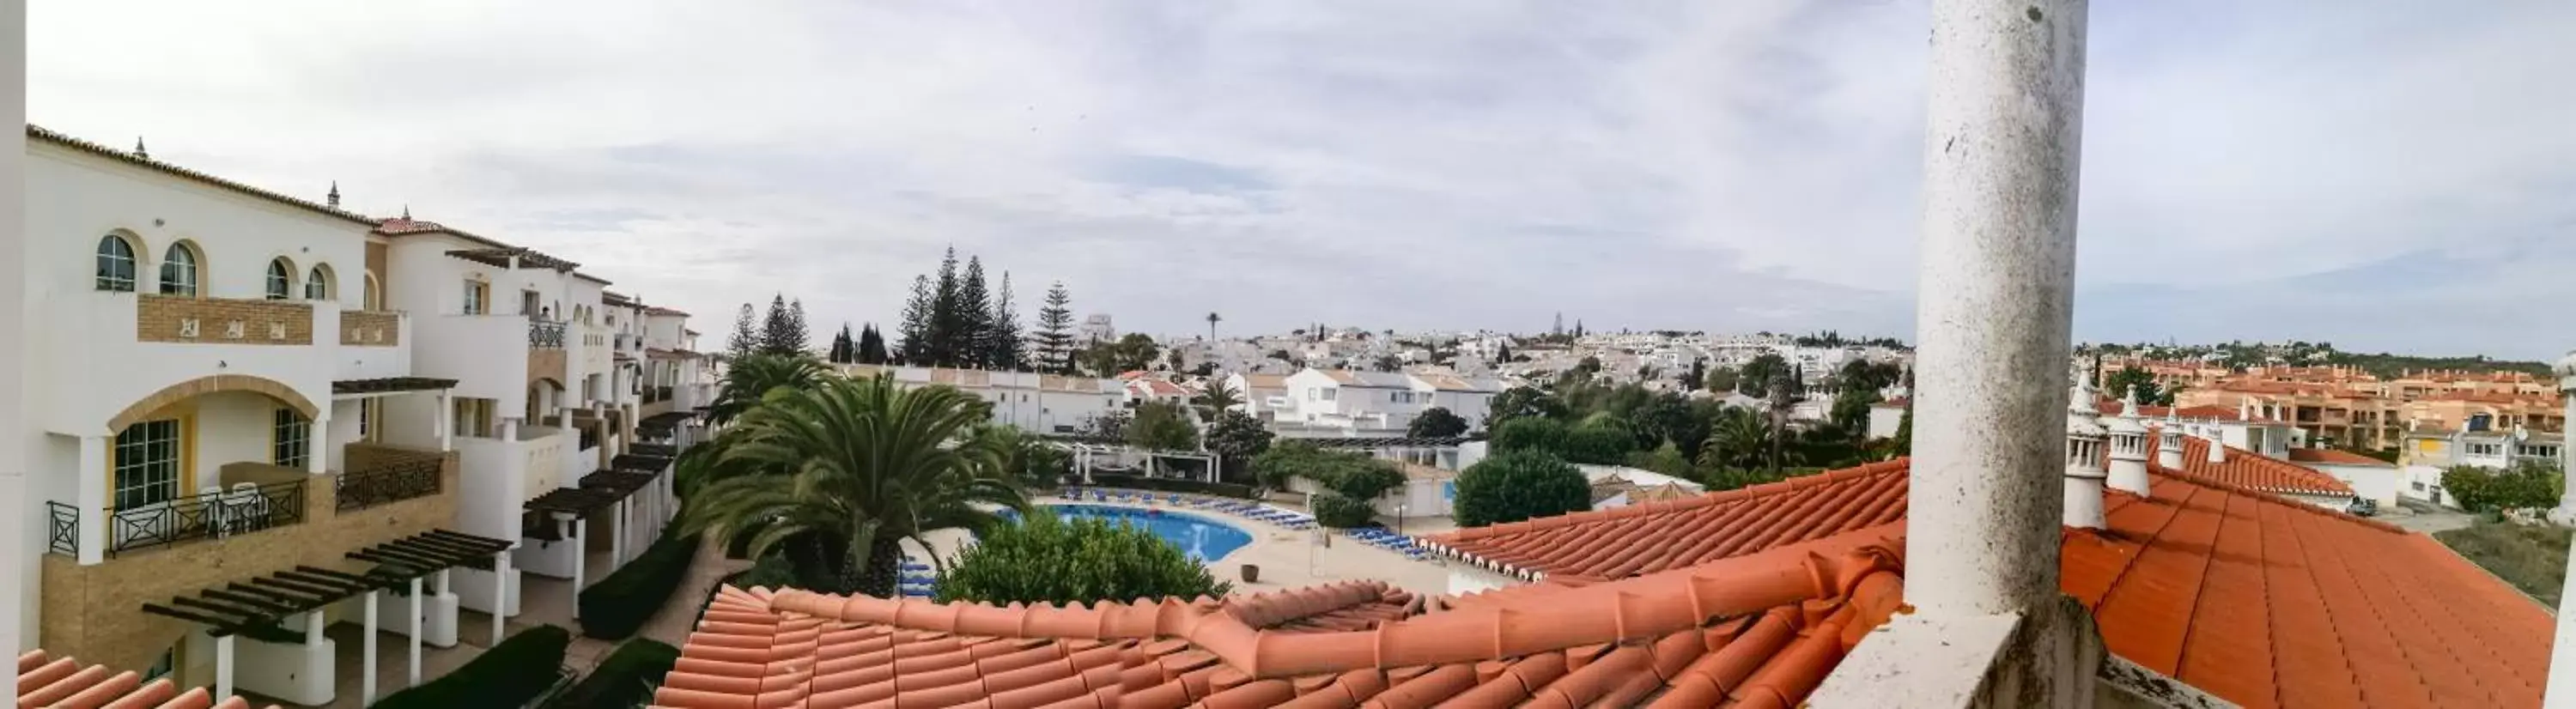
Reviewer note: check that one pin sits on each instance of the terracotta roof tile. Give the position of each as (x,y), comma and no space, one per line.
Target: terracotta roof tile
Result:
(47,681)
(2243,468)
(2257,599)
(1756,630)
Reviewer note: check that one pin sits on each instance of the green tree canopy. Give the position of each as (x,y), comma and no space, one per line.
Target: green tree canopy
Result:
(1510,487)
(1237,438)
(1162,426)
(2529,484)
(1043,559)
(2149,392)
(1436,422)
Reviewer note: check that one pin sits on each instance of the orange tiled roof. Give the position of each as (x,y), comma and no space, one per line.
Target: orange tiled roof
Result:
(2330,456)
(47,681)
(1755,631)
(2248,469)
(2259,600)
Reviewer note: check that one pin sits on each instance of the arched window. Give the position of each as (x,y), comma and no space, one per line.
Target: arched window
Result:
(318,285)
(180,271)
(281,279)
(373,299)
(115,264)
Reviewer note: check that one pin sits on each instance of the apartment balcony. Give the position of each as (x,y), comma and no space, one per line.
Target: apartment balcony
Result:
(240,507)
(104,350)
(546,356)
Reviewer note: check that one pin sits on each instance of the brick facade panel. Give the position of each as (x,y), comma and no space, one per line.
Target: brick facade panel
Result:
(232,321)
(370,329)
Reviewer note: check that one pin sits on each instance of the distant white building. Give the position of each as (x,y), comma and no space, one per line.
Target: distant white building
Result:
(1349,403)
(1096,328)
(1041,403)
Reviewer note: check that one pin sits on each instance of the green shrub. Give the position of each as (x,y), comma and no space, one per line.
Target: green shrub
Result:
(1603,441)
(1044,559)
(772,571)
(2526,485)
(508,675)
(1511,487)
(617,606)
(1334,510)
(1195,487)
(624,679)
(1354,475)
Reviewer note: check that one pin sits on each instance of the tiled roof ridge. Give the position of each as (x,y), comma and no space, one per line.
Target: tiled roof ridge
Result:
(1641,607)
(66,140)
(47,681)
(1892,466)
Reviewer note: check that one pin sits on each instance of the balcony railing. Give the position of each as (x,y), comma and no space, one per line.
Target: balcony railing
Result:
(546,334)
(589,438)
(206,515)
(662,393)
(390,483)
(62,529)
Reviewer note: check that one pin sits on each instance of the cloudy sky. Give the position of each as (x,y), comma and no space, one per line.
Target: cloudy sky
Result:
(2383,174)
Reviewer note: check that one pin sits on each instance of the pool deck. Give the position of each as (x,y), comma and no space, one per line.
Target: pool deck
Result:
(1287,558)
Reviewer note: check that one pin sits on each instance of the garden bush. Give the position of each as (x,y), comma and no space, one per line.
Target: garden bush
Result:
(1196,487)
(772,572)
(1604,441)
(1511,487)
(1332,509)
(508,675)
(1044,559)
(624,679)
(1354,475)
(617,606)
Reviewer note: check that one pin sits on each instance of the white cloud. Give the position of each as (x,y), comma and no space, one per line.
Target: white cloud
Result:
(1738,165)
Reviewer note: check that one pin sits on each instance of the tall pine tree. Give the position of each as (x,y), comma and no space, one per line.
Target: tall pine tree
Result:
(746,340)
(1004,323)
(916,327)
(799,339)
(974,317)
(779,332)
(871,347)
(1053,341)
(947,330)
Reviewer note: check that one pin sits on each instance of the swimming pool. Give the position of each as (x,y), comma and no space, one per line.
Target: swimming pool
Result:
(1202,538)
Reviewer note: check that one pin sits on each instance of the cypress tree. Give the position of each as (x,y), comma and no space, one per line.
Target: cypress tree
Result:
(1053,340)
(916,328)
(842,347)
(871,347)
(974,318)
(1007,352)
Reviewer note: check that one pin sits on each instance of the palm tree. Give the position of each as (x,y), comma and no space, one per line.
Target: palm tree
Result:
(1212,320)
(751,378)
(862,464)
(1735,440)
(1219,397)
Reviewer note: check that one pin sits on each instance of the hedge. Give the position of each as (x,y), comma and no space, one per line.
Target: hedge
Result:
(1334,510)
(1138,482)
(1044,559)
(507,675)
(624,679)
(617,606)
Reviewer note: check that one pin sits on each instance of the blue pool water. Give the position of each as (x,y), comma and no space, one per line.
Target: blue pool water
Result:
(1202,538)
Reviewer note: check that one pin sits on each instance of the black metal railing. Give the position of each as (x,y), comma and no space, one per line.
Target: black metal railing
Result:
(546,334)
(205,516)
(62,528)
(390,483)
(661,393)
(589,438)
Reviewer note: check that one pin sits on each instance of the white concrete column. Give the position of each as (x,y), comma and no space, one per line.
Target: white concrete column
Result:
(442,581)
(509,429)
(1995,313)
(93,498)
(14,418)
(617,537)
(446,423)
(415,633)
(313,623)
(317,459)
(2561,690)
(367,667)
(580,558)
(500,591)
(223,667)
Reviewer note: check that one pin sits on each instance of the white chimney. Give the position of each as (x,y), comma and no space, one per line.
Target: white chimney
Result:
(2217,447)
(2084,474)
(2128,447)
(2169,440)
